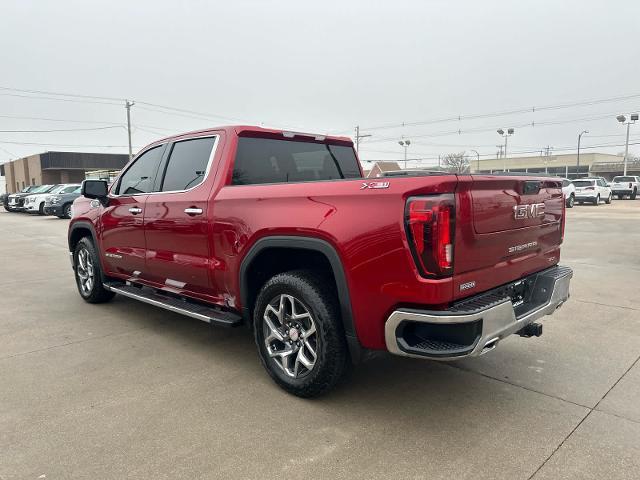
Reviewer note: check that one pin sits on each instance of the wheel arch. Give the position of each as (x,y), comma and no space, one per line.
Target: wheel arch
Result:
(78,230)
(304,244)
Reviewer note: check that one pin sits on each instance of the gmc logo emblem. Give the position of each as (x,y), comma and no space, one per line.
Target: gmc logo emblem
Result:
(534,210)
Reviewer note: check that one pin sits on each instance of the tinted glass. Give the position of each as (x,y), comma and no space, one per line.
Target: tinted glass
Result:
(624,179)
(263,160)
(140,176)
(566,183)
(583,183)
(187,164)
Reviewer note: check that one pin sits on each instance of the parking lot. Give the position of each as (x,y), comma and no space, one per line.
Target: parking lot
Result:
(125,390)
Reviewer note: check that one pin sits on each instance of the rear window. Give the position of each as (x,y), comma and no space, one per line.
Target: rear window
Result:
(264,160)
(624,179)
(583,183)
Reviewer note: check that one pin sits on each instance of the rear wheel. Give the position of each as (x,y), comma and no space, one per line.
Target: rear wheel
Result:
(608,200)
(596,202)
(88,273)
(571,201)
(634,194)
(298,333)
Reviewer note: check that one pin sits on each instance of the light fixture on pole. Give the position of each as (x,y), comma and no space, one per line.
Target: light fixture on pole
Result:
(633,118)
(506,135)
(405,144)
(578,161)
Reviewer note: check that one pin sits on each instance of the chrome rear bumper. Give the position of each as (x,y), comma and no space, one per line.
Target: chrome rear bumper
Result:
(474,326)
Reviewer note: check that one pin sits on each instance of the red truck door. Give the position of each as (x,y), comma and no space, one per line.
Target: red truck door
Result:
(176,220)
(122,236)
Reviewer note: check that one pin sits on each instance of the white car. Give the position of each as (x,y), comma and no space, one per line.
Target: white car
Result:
(625,185)
(592,190)
(35,203)
(569,192)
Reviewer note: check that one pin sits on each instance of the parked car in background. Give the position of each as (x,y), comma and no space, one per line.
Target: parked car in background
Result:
(59,204)
(569,192)
(15,201)
(34,203)
(625,185)
(592,190)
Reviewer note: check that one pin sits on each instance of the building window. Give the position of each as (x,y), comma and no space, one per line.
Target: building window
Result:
(33,181)
(23,184)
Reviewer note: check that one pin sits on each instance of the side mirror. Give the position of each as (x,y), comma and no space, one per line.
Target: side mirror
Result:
(97,189)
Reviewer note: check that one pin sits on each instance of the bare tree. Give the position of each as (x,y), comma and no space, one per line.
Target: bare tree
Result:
(456,162)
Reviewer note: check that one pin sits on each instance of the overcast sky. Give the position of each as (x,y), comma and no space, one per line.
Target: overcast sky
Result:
(323,66)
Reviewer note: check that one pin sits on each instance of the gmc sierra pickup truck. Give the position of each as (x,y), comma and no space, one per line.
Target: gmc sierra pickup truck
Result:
(278,231)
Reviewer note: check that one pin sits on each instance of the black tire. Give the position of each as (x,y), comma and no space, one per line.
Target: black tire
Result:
(6,207)
(66,211)
(596,202)
(96,293)
(620,197)
(633,194)
(571,201)
(41,209)
(608,200)
(320,301)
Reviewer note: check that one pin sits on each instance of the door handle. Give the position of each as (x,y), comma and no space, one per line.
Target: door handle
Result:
(193,211)
(135,210)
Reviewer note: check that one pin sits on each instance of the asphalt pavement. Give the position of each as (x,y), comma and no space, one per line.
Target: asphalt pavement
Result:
(126,390)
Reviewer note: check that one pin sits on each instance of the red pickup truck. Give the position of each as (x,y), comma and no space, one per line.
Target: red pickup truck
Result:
(279,231)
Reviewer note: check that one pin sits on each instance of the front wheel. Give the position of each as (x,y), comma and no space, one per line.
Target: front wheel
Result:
(596,202)
(66,211)
(88,273)
(298,333)
(571,201)
(608,200)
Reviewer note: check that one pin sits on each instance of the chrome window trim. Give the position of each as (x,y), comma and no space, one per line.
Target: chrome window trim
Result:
(204,178)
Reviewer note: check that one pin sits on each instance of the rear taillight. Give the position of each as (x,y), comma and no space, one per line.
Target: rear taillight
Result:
(430,223)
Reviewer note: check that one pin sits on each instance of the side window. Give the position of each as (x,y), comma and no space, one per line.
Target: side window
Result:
(140,176)
(565,183)
(187,164)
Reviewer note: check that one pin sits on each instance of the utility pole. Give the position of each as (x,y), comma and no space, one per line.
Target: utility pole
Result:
(478,155)
(499,152)
(128,106)
(547,153)
(358,137)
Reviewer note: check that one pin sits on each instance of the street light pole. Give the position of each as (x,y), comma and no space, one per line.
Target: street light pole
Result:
(578,162)
(128,106)
(506,135)
(405,144)
(622,119)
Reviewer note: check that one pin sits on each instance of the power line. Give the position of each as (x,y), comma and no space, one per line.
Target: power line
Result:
(60,130)
(62,94)
(72,100)
(515,111)
(9,142)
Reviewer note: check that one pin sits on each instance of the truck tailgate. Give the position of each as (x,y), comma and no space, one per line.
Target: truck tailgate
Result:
(510,226)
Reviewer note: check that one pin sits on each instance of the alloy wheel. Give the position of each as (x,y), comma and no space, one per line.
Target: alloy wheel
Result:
(85,271)
(290,335)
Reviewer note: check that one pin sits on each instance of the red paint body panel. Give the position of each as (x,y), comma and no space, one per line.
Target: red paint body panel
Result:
(364,226)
